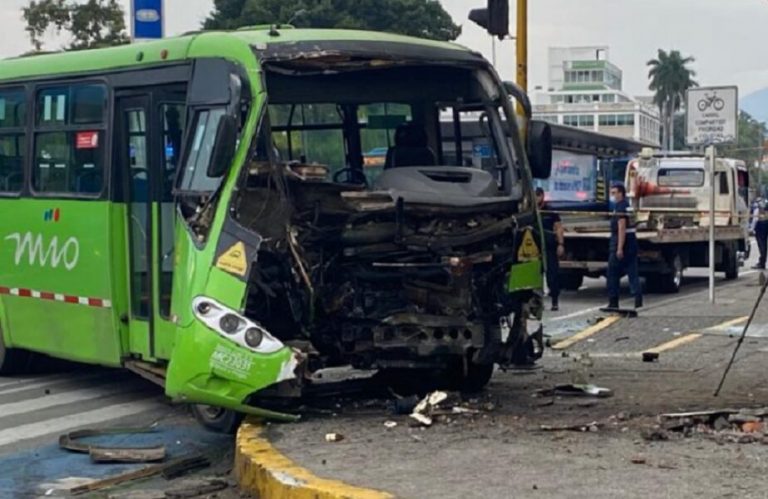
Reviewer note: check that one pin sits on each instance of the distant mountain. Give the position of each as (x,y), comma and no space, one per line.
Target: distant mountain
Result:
(756,104)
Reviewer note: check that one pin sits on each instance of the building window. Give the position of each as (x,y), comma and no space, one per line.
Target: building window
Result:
(579,120)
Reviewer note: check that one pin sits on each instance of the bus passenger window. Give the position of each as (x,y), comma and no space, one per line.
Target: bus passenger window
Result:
(13,120)
(69,140)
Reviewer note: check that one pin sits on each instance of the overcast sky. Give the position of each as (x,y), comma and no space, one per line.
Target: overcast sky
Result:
(726,36)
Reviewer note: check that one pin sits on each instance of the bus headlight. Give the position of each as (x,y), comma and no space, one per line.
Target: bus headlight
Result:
(254,337)
(232,325)
(229,323)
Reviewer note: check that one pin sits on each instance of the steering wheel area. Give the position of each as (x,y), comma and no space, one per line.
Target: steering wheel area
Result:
(354,176)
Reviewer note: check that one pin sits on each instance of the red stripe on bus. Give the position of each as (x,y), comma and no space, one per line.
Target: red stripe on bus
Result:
(48,295)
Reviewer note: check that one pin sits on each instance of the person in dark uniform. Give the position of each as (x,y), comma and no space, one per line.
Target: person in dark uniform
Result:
(760,228)
(622,248)
(555,249)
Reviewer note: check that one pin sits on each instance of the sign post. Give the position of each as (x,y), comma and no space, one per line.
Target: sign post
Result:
(712,119)
(147,19)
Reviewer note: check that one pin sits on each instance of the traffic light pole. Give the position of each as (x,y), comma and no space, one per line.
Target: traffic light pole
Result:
(522,44)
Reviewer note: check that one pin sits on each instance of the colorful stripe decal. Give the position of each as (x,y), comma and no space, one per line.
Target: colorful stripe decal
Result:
(47,295)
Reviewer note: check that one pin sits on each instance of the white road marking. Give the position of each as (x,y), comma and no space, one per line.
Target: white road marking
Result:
(8,381)
(48,381)
(67,423)
(575,314)
(49,401)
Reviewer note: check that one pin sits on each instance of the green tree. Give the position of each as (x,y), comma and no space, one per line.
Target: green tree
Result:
(92,24)
(750,146)
(422,18)
(670,78)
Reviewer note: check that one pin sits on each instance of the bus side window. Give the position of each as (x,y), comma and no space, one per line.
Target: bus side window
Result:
(69,140)
(13,139)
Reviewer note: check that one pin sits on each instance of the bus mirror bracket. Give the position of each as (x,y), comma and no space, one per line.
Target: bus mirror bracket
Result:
(224,149)
(540,149)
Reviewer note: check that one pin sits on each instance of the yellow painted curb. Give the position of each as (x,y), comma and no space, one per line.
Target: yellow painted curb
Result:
(263,471)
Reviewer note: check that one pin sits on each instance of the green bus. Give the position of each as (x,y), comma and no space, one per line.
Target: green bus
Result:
(196,209)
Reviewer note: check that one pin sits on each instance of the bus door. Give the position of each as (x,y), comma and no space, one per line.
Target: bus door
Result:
(150,127)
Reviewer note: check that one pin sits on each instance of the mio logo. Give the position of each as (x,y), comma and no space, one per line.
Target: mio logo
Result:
(51,215)
(53,254)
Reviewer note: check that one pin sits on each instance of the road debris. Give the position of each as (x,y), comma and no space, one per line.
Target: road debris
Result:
(575,390)
(334,437)
(445,404)
(721,425)
(583,428)
(182,463)
(71,442)
(390,424)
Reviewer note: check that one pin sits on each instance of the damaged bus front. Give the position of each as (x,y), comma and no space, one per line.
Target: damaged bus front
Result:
(300,255)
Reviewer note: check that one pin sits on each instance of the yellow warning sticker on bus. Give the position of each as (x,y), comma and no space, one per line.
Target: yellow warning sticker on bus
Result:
(233,260)
(528,249)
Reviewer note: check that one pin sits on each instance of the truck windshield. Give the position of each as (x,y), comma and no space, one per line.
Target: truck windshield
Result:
(681,177)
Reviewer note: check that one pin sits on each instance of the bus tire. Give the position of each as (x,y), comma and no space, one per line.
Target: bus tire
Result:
(571,281)
(217,419)
(12,360)
(477,377)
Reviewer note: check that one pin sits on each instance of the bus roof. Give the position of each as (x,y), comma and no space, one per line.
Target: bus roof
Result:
(236,45)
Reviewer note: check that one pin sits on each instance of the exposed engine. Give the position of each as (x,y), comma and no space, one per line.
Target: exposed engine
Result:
(365,277)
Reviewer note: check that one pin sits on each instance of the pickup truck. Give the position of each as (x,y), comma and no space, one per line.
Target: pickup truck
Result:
(669,196)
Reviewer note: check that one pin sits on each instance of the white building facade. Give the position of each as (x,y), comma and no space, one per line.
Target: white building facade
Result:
(585,91)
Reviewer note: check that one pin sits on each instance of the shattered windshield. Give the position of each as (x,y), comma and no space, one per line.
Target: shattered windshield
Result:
(369,127)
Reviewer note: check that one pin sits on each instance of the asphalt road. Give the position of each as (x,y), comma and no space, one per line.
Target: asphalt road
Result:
(502,452)
(36,409)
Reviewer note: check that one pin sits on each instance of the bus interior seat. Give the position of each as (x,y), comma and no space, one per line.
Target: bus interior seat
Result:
(88,182)
(411,148)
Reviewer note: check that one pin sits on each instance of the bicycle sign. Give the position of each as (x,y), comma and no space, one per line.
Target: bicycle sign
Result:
(712,101)
(712,115)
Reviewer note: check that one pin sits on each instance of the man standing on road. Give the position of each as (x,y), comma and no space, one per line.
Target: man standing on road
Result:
(760,228)
(554,244)
(622,249)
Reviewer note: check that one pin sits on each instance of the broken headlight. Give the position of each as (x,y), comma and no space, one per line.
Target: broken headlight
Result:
(233,326)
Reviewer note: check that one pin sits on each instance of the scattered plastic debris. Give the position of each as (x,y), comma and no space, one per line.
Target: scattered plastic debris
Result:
(390,424)
(334,437)
(577,390)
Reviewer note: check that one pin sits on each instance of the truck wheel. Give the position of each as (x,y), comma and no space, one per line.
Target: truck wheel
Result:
(732,265)
(217,419)
(12,360)
(671,282)
(571,281)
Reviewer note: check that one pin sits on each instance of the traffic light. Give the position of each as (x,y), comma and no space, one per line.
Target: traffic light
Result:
(494,18)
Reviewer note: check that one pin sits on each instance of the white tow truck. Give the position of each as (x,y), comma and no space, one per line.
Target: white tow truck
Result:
(670,198)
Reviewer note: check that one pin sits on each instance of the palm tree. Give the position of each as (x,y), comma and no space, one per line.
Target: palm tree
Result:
(670,78)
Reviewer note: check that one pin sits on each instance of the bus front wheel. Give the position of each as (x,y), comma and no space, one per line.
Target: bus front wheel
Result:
(12,361)
(217,419)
